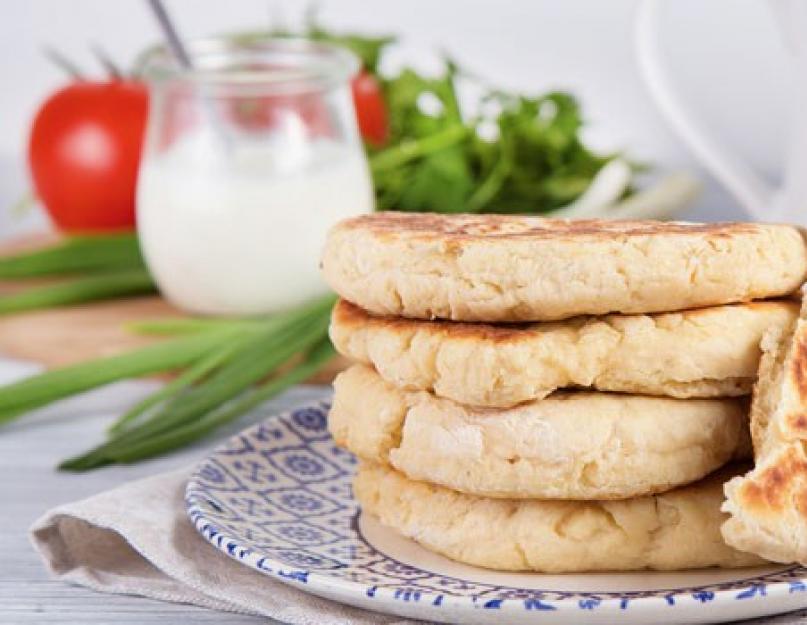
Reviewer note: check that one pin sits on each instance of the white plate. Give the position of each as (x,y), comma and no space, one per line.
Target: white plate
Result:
(277,498)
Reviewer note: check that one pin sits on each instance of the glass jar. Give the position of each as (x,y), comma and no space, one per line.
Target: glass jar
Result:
(249,159)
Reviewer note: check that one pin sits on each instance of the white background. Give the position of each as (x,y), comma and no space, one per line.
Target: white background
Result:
(726,53)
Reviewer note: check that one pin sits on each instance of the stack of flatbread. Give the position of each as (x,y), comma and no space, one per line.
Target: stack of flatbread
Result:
(552,395)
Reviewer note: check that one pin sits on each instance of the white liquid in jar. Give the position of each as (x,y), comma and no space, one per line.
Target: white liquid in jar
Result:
(239,229)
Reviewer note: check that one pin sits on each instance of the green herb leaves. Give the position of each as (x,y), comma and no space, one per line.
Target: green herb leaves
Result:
(526,156)
(508,153)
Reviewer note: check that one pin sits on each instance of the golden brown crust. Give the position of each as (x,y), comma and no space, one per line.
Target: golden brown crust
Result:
(461,228)
(798,366)
(349,315)
(768,506)
(771,492)
(797,423)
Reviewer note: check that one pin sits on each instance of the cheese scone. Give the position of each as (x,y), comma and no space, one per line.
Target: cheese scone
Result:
(676,530)
(568,446)
(706,352)
(519,268)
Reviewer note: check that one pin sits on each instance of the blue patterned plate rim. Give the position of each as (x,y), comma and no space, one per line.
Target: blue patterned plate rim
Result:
(276,498)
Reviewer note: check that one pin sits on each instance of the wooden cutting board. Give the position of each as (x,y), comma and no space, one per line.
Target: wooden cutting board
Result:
(62,336)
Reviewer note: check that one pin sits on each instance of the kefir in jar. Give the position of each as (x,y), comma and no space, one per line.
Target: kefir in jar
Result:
(249,159)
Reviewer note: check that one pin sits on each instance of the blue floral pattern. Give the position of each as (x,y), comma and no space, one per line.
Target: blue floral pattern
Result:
(277,497)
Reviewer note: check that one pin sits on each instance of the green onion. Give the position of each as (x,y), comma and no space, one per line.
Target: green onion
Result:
(290,334)
(185,434)
(102,267)
(264,355)
(75,255)
(190,376)
(47,387)
(190,325)
(248,366)
(230,367)
(87,289)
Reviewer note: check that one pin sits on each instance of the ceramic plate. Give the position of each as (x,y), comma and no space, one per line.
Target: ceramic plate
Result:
(277,498)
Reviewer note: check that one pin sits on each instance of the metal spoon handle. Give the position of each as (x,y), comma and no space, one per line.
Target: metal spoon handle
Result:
(171,36)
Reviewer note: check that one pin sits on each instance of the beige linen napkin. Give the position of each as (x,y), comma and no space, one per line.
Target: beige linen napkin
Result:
(136,540)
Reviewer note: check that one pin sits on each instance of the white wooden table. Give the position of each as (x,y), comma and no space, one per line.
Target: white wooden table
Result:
(29,485)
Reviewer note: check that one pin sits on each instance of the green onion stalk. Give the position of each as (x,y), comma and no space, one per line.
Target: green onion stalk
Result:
(224,367)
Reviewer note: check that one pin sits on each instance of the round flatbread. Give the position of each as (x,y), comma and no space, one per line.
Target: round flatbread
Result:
(515,268)
(568,446)
(707,352)
(677,530)
(768,505)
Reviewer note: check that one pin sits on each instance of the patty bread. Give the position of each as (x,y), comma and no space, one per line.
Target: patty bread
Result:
(768,506)
(707,352)
(569,446)
(677,530)
(516,268)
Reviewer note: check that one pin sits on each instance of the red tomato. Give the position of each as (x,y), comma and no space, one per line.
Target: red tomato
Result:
(371,111)
(84,151)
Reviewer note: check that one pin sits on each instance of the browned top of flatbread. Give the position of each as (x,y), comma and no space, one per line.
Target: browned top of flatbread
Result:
(465,227)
